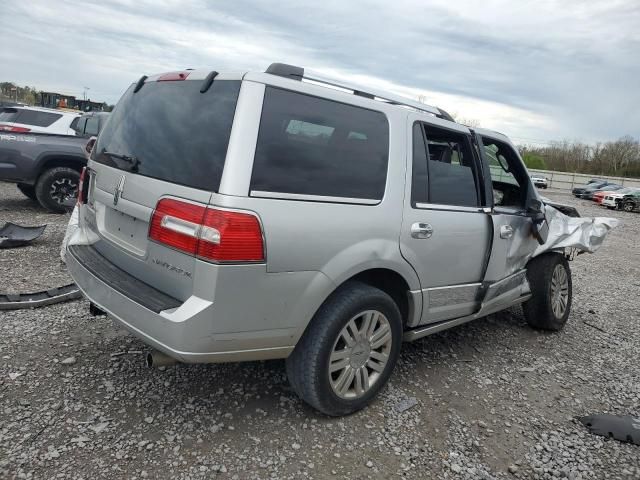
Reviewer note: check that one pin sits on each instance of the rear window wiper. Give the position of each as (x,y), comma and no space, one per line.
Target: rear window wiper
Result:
(134,161)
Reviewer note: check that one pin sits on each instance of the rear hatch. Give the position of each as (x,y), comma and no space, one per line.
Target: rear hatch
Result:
(167,139)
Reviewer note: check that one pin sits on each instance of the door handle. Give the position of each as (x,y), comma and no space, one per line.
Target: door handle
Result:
(506,231)
(421,230)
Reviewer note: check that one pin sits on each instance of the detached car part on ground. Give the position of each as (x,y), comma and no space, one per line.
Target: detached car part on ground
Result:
(46,167)
(12,235)
(310,223)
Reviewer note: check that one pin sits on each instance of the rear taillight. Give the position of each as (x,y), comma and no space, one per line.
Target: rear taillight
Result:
(83,186)
(12,128)
(88,148)
(210,234)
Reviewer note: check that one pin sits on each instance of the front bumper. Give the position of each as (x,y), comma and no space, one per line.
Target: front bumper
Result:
(187,331)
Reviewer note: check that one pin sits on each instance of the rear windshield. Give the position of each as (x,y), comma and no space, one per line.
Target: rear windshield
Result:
(8,114)
(37,118)
(171,131)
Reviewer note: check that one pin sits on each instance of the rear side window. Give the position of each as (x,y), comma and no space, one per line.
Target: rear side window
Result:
(171,131)
(36,118)
(448,176)
(78,125)
(313,146)
(92,127)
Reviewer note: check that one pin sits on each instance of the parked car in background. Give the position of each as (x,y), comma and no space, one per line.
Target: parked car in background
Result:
(540,182)
(185,227)
(577,191)
(630,202)
(46,167)
(38,120)
(611,199)
(598,195)
(589,191)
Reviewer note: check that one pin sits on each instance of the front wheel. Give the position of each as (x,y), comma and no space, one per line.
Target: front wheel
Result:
(349,350)
(57,188)
(549,276)
(629,206)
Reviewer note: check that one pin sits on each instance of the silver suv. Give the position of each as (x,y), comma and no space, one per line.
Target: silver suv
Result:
(232,217)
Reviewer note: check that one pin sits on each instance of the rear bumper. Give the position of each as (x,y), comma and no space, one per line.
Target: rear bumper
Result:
(188,331)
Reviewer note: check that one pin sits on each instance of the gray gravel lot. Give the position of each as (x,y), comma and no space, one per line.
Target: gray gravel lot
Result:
(491,399)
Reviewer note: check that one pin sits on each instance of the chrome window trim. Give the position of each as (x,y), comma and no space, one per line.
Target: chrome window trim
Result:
(452,208)
(509,211)
(312,198)
(464,285)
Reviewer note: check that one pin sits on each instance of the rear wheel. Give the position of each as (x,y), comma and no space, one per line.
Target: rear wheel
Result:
(349,350)
(551,288)
(28,191)
(57,188)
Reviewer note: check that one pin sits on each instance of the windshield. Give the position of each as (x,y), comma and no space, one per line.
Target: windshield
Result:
(171,131)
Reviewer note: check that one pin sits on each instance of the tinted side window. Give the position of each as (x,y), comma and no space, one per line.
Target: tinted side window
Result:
(451,167)
(36,118)
(80,124)
(93,126)
(312,146)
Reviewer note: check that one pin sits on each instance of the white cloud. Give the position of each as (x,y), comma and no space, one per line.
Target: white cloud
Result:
(539,70)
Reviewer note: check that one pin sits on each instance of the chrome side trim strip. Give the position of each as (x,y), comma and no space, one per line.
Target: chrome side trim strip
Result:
(453,295)
(313,198)
(452,208)
(463,285)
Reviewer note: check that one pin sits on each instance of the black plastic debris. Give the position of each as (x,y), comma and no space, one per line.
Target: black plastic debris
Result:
(624,428)
(12,235)
(15,301)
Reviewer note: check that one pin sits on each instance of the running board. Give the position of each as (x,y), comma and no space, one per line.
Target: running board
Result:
(415,334)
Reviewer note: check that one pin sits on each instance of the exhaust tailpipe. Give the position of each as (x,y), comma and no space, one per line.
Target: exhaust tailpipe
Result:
(158,359)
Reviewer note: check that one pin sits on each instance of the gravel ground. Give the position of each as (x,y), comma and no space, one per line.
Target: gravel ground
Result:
(490,399)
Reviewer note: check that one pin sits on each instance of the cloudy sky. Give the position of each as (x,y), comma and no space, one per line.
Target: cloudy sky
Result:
(535,70)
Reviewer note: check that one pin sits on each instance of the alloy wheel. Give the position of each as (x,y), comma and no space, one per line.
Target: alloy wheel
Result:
(559,290)
(360,354)
(63,189)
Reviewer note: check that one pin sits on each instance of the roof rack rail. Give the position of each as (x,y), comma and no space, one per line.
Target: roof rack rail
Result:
(298,73)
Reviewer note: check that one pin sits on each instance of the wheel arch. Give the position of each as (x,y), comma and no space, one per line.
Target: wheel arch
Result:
(386,278)
(53,161)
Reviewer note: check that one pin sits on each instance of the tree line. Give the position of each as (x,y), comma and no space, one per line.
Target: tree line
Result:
(618,158)
(9,91)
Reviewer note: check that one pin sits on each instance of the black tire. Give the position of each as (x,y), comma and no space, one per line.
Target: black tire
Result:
(308,365)
(629,206)
(56,188)
(28,191)
(539,310)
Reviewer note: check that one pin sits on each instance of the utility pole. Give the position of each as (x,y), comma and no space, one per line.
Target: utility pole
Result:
(84,95)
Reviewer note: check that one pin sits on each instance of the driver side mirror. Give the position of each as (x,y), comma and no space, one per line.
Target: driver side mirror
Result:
(539,225)
(535,208)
